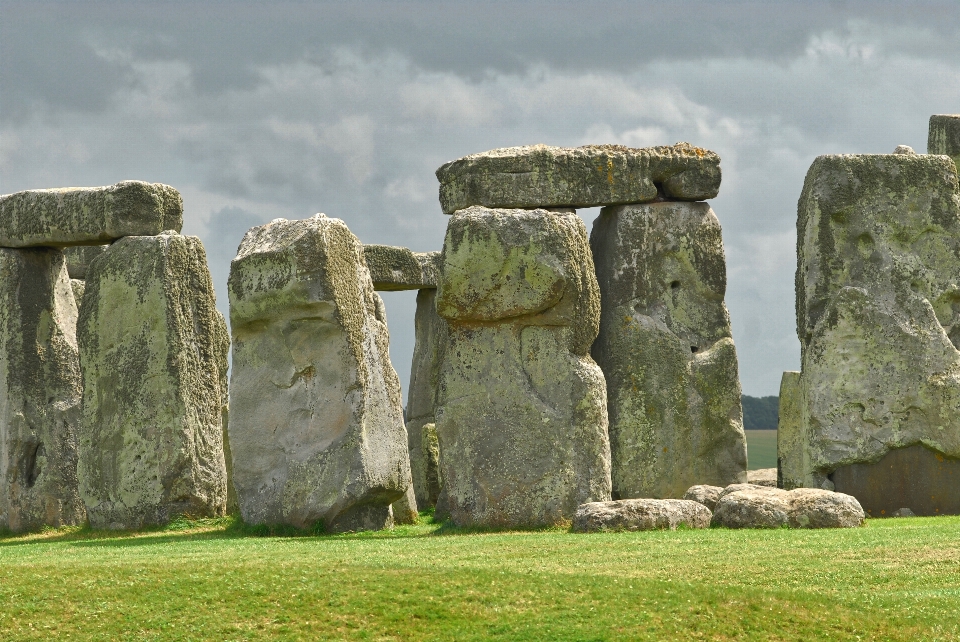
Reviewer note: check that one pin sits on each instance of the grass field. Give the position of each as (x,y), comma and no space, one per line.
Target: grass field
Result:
(892,580)
(761,449)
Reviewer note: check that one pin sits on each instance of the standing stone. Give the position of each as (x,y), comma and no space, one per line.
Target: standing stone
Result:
(552,177)
(88,215)
(39,392)
(521,420)
(316,427)
(878,313)
(153,349)
(431,338)
(666,349)
(791,432)
(943,137)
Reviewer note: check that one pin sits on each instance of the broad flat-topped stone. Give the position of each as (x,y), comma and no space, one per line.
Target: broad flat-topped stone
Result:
(943,136)
(398,268)
(88,215)
(542,176)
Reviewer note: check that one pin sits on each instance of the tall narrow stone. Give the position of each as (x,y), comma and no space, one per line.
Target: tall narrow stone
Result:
(791,432)
(39,392)
(316,426)
(666,349)
(522,420)
(943,137)
(153,349)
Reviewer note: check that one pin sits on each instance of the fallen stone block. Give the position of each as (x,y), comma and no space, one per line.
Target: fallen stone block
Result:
(316,421)
(763,477)
(39,392)
(943,137)
(153,349)
(398,268)
(88,215)
(640,515)
(704,494)
(764,507)
(550,177)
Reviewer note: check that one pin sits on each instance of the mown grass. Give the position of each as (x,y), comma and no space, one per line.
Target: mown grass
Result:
(761,449)
(895,579)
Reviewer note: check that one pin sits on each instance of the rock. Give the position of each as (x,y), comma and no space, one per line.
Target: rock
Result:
(763,477)
(666,349)
(80,257)
(878,312)
(791,435)
(704,494)
(548,177)
(904,149)
(640,515)
(153,350)
(88,215)
(903,512)
(405,509)
(39,392)
(944,137)
(316,422)
(764,507)
(521,419)
(431,338)
(397,268)
(735,488)
(77,286)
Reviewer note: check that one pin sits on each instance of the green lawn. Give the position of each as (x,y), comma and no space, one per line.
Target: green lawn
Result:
(761,449)
(893,580)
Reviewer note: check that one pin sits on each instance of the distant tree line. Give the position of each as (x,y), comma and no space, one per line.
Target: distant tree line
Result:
(760,413)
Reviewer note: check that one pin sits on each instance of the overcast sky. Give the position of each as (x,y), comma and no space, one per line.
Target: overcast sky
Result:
(262,110)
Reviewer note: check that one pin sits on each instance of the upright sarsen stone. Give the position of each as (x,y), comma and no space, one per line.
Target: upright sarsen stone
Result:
(521,420)
(39,392)
(666,349)
(943,137)
(153,350)
(316,425)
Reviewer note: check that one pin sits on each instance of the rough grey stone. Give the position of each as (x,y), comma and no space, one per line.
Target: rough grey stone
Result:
(316,427)
(640,515)
(764,507)
(548,177)
(791,433)
(763,477)
(903,512)
(398,268)
(878,309)
(521,420)
(39,392)
(153,350)
(77,286)
(88,215)
(943,137)
(904,149)
(405,509)
(666,349)
(704,494)
(80,257)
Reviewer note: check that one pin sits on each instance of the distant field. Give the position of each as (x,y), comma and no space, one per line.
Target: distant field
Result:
(761,449)
(895,579)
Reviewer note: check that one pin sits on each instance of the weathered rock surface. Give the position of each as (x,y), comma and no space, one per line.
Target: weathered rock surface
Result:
(666,349)
(704,494)
(80,257)
(316,427)
(878,311)
(763,477)
(542,176)
(640,515)
(521,419)
(39,392)
(943,137)
(791,432)
(431,338)
(88,215)
(77,286)
(398,268)
(153,349)
(405,509)
(764,507)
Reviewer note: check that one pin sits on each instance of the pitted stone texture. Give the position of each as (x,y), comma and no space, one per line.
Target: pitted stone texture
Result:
(405,509)
(80,257)
(77,286)
(316,426)
(39,392)
(542,176)
(153,349)
(943,137)
(791,432)
(704,494)
(641,515)
(878,309)
(398,268)
(764,507)
(521,420)
(88,215)
(763,477)
(666,349)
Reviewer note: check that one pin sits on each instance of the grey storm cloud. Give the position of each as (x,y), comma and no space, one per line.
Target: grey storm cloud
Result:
(264,110)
